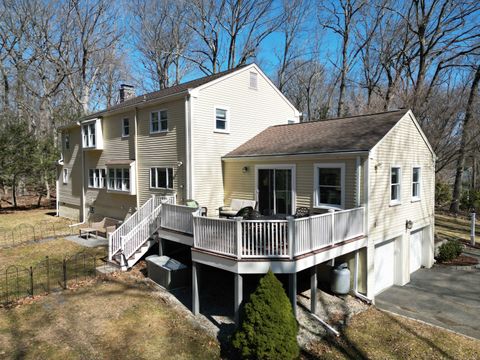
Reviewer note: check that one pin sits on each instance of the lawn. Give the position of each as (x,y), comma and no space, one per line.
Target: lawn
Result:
(32,253)
(9,220)
(116,319)
(450,227)
(378,335)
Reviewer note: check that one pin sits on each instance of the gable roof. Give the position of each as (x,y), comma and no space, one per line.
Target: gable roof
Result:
(172,90)
(347,134)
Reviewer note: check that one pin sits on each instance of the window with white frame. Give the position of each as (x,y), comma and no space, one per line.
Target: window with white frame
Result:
(126,127)
(253,80)
(395,184)
(119,179)
(221,119)
(89,136)
(65,176)
(329,185)
(161,178)
(96,178)
(416,176)
(158,121)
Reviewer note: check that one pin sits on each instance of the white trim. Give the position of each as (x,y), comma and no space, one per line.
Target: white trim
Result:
(227,119)
(291,167)
(123,127)
(261,73)
(335,155)
(159,131)
(399,200)
(316,179)
(419,182)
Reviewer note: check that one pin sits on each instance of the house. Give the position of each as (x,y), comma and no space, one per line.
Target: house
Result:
(169,142)
(367,182)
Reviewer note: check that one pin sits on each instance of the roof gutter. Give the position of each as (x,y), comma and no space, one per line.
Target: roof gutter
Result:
(294,155)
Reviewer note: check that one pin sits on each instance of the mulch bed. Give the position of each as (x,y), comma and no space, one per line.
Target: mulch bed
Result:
(462,260)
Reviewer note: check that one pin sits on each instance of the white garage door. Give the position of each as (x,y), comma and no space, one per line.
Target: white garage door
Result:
(416,241)
(384,266)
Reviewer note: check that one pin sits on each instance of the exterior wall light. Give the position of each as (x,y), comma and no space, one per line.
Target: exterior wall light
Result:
(409,224)
(245,169)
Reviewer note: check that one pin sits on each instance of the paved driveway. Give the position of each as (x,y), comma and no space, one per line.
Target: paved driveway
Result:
(440,296)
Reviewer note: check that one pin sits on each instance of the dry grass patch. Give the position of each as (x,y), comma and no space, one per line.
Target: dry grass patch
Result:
(377,335)
(11,219)
(450,227)
(118,319)
(32,253)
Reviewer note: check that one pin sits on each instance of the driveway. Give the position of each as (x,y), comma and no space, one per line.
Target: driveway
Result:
(440,296)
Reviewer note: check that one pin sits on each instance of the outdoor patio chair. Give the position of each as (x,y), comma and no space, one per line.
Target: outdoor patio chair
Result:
(194,204)
(302,212)
(235,206)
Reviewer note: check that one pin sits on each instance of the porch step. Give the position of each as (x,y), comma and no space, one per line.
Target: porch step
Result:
(118,258)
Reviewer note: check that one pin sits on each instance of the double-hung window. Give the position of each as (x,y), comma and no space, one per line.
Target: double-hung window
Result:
(161,178)
(119,179)
(416,178)
(96,178)
(89,136)
(125,127)
(221,120)
(329,185)
(158,121)
(395,185)
(65,176)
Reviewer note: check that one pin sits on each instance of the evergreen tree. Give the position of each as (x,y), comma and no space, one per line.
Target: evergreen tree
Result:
(269,329)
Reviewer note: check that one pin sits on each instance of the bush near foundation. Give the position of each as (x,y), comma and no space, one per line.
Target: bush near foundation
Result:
(449,251)
(269,329)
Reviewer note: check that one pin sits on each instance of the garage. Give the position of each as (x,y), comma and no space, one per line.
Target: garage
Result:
(384,266)
(416,251)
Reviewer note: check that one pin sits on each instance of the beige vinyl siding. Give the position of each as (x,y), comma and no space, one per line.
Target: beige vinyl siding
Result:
(239,185)
(70,194)
(162,150)
(114,205)
(250,112)
(405,147)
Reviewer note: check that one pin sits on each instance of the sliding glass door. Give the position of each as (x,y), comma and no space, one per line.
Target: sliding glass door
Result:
(275,191)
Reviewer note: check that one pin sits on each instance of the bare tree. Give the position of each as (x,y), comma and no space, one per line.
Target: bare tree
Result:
(466,127)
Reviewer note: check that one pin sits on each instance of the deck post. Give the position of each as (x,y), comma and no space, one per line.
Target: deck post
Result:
(238,236)
(355,273)
(332,214)
(238,297)
(313,289)
(195,295)
(161,245)
(291,236)
(292,287)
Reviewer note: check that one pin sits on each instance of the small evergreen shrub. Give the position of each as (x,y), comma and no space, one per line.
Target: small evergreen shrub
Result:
(443,194)
(470,200)
(449,251)
(268,329)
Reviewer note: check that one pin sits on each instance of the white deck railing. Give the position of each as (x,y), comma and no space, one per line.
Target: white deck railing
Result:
(178,218)
(115,242)
(276,238)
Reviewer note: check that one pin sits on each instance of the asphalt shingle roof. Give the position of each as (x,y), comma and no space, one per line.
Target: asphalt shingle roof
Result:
(354,133)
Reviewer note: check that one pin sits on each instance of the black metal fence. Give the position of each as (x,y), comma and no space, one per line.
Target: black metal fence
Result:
(48,275)
(26,233)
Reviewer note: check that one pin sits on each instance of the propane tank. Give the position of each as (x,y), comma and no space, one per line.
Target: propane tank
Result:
(340,279)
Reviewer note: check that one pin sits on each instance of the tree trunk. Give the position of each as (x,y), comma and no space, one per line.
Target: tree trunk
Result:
(457,187)
(14,191)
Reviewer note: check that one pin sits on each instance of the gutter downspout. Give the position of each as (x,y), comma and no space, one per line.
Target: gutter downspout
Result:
(84,216)
(135,145)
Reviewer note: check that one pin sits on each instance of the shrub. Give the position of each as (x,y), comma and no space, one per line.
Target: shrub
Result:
(269,329)
(443,194)
(470,200)
(449,251)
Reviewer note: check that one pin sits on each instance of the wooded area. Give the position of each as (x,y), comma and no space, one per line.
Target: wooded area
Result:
(60,59)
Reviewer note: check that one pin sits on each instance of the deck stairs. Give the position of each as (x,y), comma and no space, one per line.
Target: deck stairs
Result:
(131,240)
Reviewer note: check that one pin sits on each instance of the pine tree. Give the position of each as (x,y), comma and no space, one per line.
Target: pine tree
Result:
(269,329)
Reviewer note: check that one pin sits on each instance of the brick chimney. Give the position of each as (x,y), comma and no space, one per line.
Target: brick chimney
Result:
(126,92)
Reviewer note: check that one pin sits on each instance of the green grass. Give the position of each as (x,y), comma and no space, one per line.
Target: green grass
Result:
(116,319)
(377,335)
(450,227)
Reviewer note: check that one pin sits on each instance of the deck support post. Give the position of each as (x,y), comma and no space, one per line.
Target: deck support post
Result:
(161,246)
(313,289)
(238,297)
(292,289)
(195,295)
